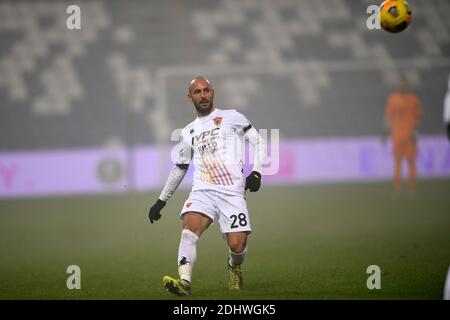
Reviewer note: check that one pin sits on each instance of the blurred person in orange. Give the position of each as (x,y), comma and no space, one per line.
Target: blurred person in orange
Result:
(402,118)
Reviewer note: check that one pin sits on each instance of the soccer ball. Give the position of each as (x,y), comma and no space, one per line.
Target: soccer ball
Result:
(395,15)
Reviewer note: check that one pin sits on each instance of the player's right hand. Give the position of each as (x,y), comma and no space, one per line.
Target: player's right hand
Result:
(155,210)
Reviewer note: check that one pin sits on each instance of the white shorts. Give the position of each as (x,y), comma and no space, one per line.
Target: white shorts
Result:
(230,210)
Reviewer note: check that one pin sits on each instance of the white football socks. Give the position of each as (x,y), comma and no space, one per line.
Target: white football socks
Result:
(237,258)
(187,253)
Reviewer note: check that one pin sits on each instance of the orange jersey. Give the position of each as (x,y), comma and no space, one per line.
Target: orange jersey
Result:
(403,113)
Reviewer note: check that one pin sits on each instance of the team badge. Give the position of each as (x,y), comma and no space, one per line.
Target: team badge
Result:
(217,121)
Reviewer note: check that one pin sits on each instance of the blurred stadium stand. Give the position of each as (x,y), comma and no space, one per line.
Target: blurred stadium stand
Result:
(310,68)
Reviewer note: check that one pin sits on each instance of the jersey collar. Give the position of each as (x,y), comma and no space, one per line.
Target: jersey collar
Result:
(212,114)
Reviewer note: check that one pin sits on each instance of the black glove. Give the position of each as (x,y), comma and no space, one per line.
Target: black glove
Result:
(154,211)
(253,181)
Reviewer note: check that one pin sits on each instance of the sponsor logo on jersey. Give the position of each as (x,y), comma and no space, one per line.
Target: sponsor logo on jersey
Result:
(202,136)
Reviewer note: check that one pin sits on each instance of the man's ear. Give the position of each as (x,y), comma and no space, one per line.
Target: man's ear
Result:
(188,96)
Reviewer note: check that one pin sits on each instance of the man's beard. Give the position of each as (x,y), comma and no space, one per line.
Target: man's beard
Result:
(203,110)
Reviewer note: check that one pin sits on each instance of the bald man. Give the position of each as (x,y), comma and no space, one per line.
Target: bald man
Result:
(213,143)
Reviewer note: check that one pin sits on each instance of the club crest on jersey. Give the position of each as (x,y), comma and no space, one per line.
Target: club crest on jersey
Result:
(217,121)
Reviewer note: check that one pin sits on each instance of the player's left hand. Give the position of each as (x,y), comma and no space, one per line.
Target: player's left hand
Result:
(253,181)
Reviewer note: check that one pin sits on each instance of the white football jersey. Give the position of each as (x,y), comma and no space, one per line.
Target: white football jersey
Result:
(214,145)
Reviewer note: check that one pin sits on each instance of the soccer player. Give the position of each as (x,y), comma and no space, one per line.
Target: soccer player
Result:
(213,143)
(402,117)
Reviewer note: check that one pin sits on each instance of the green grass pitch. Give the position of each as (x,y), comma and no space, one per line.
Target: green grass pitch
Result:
(308,242)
